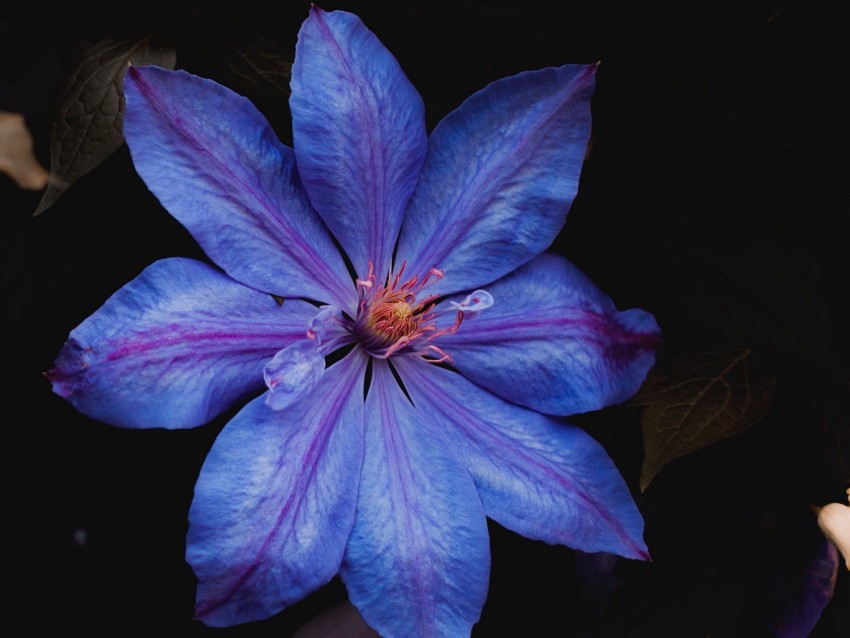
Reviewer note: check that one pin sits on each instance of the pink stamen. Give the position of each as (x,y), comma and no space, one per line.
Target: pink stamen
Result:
(395,316)
(367,283)
(442,354)
(397,346)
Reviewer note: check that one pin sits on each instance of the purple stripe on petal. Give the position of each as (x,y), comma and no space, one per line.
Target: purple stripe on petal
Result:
(418,561)
(174,347)
(551,327)
(274,503)
(215,164)
(500,175)
(544,479)
(359,130)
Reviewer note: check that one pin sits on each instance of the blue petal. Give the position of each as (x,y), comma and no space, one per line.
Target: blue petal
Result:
(418,560)
(326,325)
(293,373)
(541,478)
(359,132)
(215,164)
(274,503)
(174,347)
(501,173)
(552,328)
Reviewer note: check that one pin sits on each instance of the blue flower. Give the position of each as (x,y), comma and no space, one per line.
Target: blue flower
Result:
(469,337)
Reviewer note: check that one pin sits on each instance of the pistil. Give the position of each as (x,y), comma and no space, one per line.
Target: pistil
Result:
(397,316)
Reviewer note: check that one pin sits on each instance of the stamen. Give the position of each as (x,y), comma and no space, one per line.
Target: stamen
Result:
(434,272)
(441,353)
(397,346)
(367,283)
(318,327)
(475,302)
(395,317)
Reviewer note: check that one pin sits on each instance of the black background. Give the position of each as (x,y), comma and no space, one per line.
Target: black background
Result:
(716,124)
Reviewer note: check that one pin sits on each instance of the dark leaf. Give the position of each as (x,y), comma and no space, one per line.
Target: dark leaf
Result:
(778,9)
(699,399)
(88,126)
(743,281)
(258,66)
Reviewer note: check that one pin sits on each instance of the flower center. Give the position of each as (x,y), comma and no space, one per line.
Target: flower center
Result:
(397,317)
(393,319)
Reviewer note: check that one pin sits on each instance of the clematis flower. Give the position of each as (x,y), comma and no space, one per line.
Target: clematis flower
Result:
(464,338)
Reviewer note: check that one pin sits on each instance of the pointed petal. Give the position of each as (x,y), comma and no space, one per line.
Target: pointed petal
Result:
(274,503)
(174,347)
(214,162)
(418,560)
(500,175)
(541,478)
(551,327)
(359,132)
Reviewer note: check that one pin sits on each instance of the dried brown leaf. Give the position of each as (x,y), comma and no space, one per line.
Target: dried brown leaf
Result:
(256,66)
(17,159)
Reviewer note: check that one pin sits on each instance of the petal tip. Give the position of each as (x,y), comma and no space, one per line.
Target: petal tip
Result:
(316,13)
(133,72)
(135,75)
(634,550)
(217,613)
(58,381)
(72,361)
